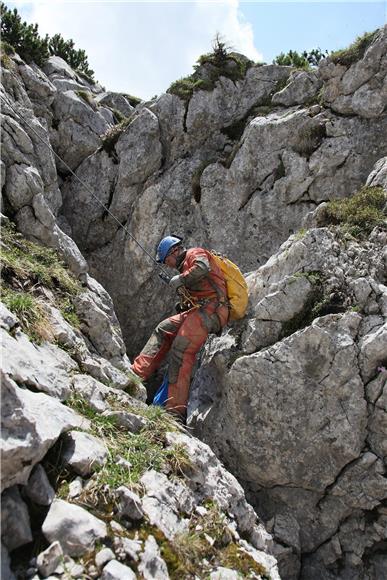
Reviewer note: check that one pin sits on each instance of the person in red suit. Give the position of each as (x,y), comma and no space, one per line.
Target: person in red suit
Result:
(185,333)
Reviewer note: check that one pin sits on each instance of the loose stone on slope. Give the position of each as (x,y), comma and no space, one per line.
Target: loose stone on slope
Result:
(83,452)
(74,527)
(116,571)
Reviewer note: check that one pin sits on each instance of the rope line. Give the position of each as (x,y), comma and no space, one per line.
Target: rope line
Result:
(163,274)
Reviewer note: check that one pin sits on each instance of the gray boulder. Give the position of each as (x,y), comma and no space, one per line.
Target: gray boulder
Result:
(116,571)
(31,423)
(15,521)
(6,572)
(38,487)
(129,504)
(78,123)
(301,88)
(48,561)
(116,101)
(75,528)
(152,565)
(83,452)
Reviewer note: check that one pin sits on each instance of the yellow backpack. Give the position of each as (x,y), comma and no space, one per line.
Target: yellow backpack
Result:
(237,292)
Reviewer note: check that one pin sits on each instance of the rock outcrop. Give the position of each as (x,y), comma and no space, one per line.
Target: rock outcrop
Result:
(292,399)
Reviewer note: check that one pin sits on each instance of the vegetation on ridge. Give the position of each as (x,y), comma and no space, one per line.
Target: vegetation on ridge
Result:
(209,68)
(355,51)
(304,60)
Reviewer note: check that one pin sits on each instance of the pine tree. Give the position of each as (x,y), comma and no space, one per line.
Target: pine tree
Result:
(23,37)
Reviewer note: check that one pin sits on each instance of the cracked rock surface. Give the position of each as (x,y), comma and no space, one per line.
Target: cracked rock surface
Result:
(293,401)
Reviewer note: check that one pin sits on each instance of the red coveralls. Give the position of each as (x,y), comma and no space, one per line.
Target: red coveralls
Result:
(185,333)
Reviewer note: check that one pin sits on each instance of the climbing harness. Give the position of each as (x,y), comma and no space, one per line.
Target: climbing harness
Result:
(162,273)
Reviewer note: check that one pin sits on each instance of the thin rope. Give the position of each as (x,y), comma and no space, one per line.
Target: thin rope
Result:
(163,274)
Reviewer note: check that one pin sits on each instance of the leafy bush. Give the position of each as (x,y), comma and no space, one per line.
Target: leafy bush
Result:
(25,40)
(359,214)
(355,51)
(304,60)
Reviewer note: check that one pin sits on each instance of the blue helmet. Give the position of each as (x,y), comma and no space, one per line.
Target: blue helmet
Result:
(165,246)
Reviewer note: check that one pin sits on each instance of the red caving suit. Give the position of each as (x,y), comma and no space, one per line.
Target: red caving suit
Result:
(185,333)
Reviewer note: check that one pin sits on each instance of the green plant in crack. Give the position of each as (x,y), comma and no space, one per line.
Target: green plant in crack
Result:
(110,138)
(140,451)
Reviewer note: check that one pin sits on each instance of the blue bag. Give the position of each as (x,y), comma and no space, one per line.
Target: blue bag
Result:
(161,396)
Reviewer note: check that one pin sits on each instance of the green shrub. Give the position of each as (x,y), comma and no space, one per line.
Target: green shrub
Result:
(304,60)
(6,51)
(359,214)
(310,138)
(355,51)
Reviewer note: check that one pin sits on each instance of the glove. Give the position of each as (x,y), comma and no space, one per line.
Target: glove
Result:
(176,282)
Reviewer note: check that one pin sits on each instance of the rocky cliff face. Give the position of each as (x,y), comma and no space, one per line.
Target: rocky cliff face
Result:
(94,483)
(291,399)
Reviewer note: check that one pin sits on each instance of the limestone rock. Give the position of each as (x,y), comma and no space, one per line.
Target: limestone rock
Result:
(15,521)
(83,452)
(116,101)
(31,423)
(378,176)
(103,557)
(134,423)
(139,149)
(164,502)
(302,86)
(76,529)
(45,367)
(129,505)
(116,571)
(38,488)
(6,572)
(79,124)
(211,480)
(49,560)
(98,394)
(131,548)
(152,565)
(378,418)
(7,319)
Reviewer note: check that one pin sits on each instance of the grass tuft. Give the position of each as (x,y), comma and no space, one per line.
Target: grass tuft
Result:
(29,311)
(142,451)
(110,138)
(27,267)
